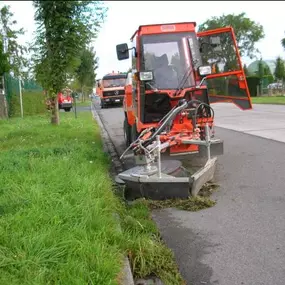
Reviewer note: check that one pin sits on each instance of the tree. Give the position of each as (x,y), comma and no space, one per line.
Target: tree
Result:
(267,71)
(260,70)
(64,29)
(279,69)
(247,32)
(283,43)
(245,69)
(12,54)
(85,73)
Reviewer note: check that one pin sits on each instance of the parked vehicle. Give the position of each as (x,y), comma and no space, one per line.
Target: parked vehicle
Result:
(65,101)
(275,85)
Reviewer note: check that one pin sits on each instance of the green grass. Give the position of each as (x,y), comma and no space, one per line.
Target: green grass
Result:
(33,104)
(277,100)
(86,103)
(57,223)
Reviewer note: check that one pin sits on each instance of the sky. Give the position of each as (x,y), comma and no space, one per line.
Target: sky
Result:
(124,18)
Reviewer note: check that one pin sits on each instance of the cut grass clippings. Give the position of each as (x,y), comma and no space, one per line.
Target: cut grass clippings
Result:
(275,100)
(192,204)
(57,222)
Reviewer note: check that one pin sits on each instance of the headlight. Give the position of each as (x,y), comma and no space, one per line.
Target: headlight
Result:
(205,70)
(146,76)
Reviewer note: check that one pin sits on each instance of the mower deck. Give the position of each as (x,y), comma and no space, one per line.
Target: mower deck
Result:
(174,182)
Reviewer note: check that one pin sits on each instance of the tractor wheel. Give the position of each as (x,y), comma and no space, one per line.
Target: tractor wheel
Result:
(127,132)
(134,133)
(67,109)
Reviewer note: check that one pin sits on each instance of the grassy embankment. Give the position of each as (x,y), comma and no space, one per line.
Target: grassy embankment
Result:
(56,209)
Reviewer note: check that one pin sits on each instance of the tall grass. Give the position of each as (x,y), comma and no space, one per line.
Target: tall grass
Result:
(57,223)
(56,206)
(33,103)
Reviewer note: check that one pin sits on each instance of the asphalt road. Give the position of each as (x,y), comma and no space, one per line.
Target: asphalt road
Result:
(242,239)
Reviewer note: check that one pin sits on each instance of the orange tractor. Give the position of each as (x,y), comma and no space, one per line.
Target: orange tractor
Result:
(176,74)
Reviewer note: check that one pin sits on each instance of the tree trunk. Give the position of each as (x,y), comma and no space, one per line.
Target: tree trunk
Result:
(54,111)
(82,92)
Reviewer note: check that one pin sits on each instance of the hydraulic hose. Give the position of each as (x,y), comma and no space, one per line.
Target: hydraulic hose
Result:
(196,112)
(183,104)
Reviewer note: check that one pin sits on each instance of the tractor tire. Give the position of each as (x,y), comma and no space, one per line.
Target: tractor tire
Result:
(134,133)
(127,132)
(67,109)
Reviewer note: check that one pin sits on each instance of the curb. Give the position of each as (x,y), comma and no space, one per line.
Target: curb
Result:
(116,168)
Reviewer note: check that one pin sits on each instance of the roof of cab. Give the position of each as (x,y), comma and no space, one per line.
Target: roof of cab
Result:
(162,24)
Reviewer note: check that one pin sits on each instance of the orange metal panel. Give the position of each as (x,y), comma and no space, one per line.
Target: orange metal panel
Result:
(166,28)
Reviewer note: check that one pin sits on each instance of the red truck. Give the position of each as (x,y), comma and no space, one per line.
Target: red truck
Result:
(65,101)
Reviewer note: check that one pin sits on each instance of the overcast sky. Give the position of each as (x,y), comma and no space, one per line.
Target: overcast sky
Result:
(125,17)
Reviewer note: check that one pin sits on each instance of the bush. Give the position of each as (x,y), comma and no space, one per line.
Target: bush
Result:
(252,82)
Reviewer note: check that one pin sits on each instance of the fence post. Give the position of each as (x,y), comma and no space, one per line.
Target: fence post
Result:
(3,100)
(21,98)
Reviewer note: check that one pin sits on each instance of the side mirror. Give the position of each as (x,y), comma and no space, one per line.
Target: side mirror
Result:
(122,51)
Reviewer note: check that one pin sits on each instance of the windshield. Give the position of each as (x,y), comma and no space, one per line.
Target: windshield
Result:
(118,82)
(168,57)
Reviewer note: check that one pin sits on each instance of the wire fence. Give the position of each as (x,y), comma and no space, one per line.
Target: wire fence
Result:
(267,92)
(21,97)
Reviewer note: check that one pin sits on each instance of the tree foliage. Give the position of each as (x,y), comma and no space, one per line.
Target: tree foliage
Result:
(245,69)
(279,69)
(283,43)
(12,54)
(247,32)
(64,29)
(86,71)
(260,70)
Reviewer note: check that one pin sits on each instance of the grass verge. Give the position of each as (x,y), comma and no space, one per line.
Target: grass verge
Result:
(57,223)
(276,100)
(33,104)
(86,103)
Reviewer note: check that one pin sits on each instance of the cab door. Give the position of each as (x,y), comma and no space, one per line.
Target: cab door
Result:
(227,83)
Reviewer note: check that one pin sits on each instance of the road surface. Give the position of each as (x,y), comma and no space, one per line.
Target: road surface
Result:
(241,240)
